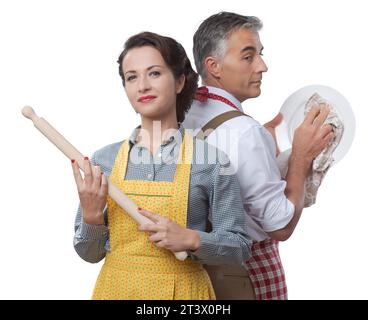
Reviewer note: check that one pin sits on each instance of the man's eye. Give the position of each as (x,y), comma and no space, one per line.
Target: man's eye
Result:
(248,58)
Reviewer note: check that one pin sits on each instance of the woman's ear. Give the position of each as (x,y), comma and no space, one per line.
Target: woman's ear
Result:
(213,67)
(180,84)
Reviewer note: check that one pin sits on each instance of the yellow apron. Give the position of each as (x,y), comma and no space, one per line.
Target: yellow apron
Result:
(135,268)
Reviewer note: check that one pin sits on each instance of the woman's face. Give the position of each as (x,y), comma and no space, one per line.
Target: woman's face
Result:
(149,83)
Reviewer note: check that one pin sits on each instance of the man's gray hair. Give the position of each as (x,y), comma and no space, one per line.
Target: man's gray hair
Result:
(211,36)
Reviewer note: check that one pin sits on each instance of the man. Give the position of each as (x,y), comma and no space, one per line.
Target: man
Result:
(228,56)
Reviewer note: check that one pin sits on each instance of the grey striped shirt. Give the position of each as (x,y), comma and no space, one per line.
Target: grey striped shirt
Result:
(211,194)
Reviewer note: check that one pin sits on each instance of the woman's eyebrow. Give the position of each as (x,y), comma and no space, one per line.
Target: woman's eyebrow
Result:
(149,68)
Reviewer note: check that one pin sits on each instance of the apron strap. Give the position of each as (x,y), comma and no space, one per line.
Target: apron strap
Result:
(216,122)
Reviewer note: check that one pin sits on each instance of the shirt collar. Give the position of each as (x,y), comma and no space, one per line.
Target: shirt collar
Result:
(227,95)
(176,136)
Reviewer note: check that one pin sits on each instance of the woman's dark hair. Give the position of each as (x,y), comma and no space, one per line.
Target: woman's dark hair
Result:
(176,59)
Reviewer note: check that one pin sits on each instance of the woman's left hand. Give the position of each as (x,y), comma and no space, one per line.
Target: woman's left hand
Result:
(167,234)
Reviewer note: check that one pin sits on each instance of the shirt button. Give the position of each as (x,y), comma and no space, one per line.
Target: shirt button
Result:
(159,155)
(149,176)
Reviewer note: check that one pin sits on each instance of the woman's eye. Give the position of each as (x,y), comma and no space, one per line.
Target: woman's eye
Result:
(130,78)
(155,73)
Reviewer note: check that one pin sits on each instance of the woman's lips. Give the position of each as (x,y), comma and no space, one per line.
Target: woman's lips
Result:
(146,99)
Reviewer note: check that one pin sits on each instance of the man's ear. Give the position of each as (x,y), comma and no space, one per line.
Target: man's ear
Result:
(213,67)
(180,84)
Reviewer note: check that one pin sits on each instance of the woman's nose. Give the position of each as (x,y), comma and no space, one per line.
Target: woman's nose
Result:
(143,84)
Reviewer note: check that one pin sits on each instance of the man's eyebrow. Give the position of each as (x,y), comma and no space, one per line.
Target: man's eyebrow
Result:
(149,68)
(250,48)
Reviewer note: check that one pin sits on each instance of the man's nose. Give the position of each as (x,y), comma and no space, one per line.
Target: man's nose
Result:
(261,66)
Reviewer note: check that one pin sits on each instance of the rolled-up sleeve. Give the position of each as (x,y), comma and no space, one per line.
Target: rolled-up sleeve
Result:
(90,241)
(263,190)
(228,242)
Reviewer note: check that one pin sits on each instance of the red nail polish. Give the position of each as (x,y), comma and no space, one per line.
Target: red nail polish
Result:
(139,208)
(85,158)
(73,160)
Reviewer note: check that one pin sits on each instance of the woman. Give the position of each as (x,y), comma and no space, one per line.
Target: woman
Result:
(170,176)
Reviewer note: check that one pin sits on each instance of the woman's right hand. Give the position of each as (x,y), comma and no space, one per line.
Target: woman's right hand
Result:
(92,191)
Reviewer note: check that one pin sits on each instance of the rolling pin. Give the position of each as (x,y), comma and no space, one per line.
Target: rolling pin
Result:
(72,153)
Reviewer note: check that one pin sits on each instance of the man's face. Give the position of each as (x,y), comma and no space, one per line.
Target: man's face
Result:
(242,67)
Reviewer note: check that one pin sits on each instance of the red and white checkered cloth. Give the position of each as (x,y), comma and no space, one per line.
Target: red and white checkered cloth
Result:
(266,271)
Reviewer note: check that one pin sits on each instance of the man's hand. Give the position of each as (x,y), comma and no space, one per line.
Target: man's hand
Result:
(271,127)
(312,136)
(167,234)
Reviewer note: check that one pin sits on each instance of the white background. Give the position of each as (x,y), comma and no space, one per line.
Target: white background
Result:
(60,58)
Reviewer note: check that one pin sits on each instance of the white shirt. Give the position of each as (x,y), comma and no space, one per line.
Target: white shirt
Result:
(252,152)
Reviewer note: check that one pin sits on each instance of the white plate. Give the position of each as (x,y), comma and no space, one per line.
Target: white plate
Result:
(293,112)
